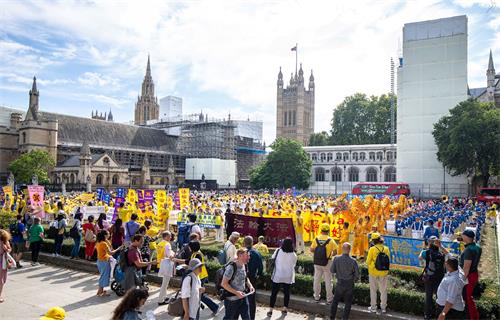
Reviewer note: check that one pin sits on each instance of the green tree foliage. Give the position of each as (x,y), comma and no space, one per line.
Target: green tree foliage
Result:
(468,140)
(288,165)
(362,120)
(28,164)
(319,139)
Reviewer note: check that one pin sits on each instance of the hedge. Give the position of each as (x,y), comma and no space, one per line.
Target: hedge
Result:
(399,299)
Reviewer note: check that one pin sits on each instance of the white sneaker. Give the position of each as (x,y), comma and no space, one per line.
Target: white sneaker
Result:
(384,310)
(372,310)
(54,255)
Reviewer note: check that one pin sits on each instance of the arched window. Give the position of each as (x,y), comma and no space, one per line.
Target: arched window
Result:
(390,174)
(322,157)
(286,118)
(114,180)
(380,155)
(389,155)
(319,174)
(336,174)
(338,156)
(353,174)
(395,155)
(72,178)
(64,178)
(134,181)
(371,156)
(346,156)
(362,156)
(329,156)
(371,175)
(314,157)
(355,156)
(24,137)
(98,179)
(162,180)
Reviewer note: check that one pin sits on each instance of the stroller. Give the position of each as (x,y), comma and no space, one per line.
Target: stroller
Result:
(119,277)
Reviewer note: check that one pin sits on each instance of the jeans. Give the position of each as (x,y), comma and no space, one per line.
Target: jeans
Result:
(205,299)
(431,287)
(58,243)
(473,278)
(343,289)
(380,284)
(76,248)
(35,250)
(236,308)
(104,268)
(274,293)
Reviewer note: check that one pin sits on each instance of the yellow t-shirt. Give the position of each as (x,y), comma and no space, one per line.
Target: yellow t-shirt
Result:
(160,249)
(299,225)
(103,250)
(331,247)
(261,248)
(372,257)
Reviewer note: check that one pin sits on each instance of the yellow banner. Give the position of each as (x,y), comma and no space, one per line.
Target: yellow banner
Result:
(184,197)
(7,191)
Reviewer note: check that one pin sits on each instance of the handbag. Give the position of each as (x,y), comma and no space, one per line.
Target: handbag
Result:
(90,236)
(7,261)
(175,308)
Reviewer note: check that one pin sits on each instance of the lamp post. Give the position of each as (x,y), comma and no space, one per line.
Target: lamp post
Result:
(193,173)
(89,187)
(34,179)
(335,177)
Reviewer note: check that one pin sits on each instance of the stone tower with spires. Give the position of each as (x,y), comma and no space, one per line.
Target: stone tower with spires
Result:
(295,108)
(147,107)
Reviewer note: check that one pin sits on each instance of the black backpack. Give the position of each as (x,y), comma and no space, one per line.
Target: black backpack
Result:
(434,264)
(382,262)
(74,232)
(320,255)
(14,229)
(123,263)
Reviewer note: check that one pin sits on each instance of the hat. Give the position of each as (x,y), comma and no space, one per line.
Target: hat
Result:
(433,238)
(195,263)
(325,227)
(469,233)
(375,236)
(235,234)
(55,313)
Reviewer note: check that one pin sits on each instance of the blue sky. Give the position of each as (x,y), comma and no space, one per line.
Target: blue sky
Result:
(219,56)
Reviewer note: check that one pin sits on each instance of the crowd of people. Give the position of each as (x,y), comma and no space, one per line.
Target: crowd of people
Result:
(136,248)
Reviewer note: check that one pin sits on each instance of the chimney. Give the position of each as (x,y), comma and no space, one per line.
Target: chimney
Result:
(15,119)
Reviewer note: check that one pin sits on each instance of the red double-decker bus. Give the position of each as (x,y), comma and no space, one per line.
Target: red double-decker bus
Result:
(387,188)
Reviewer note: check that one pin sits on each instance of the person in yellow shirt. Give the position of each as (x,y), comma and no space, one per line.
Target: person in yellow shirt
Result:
(219,226)
(377,274)
(358,250)
(164,251)
(367,227)
(261,247)
(344,237)
(323,248)
(299,233)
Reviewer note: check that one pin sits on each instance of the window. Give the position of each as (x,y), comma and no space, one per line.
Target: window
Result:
(338,156)
(346,156)
(323,157)
(319,174)
(134,181)
(371,156)
(106,161)
(72,178)
(371,175)
(114,180)
(329,156)
(336,174)
(355,156)
(314,157)
(294,118)
(353,174)
(362,156)
(24,137)
(379,156)
(390,174)
(286,118)
(389,155)
(394,154)
(98,179)
(289,118)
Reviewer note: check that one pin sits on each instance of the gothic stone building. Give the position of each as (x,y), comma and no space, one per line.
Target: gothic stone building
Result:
(490,93)
(147,107)
(104,153)
(295,108)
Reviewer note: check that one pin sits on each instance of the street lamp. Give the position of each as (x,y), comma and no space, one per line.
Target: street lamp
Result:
(335,176)
(34,179)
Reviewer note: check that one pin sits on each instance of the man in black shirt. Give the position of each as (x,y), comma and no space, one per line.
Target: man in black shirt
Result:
(346,271)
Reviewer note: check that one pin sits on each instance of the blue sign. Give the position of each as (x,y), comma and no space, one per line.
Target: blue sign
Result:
(100,193)
(405,251)
(120,193)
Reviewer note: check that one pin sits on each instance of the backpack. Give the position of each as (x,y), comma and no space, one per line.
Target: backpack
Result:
(434,264)
(320,255)
(175,307)
(14,229)
(382,262)
(73,232)
(183,234)
(222,255)
(123,263)
(219,275)
(52,233)
(90,236)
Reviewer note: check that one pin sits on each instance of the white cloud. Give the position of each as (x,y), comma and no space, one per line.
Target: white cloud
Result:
(97,79)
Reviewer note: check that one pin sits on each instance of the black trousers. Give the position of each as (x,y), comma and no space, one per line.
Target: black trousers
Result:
(343,290)
(274,293)
(251,298)
(35,250)
(431,287)
(452,313)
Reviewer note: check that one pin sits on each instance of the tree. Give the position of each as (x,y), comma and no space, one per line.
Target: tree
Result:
(28,164)
(468,140)
(319,139)
(362,120)
(288,165)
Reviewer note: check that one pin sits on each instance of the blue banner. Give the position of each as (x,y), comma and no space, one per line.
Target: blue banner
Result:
(100,193)
(405,251)
(120,193)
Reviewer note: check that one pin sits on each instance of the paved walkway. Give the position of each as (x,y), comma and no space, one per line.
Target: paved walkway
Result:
(31,291)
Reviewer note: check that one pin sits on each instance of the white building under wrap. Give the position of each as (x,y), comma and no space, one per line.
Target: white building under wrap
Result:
(432,79)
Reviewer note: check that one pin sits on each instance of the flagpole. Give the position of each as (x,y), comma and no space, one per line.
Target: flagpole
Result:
(296,56)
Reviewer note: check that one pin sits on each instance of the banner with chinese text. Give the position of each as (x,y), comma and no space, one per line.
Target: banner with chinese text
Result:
(204,220)
(183,197)
(36,198)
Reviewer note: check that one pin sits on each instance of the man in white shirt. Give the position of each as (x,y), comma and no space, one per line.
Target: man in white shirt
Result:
(191,291)
(230,247)
(449,293)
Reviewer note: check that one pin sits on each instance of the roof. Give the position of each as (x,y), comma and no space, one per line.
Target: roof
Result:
(74,161)
(476,92)
(5,113)
(104,133)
